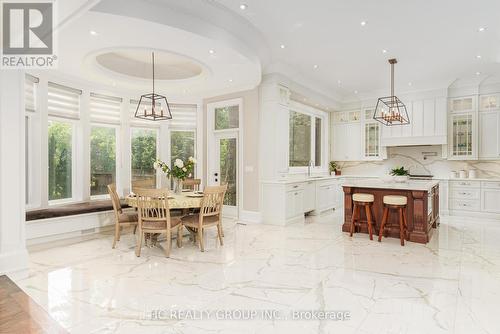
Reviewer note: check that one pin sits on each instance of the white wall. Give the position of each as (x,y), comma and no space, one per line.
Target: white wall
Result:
(13,254)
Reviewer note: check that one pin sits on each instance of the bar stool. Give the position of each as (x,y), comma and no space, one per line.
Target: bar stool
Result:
(397,203)
(359,201)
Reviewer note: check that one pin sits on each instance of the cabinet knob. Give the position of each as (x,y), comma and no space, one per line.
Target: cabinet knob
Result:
(296,194)
(295,186)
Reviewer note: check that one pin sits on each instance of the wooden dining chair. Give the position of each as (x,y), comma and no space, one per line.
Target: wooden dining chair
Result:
(210,214)
(121,218)
(193,184)
(154,217)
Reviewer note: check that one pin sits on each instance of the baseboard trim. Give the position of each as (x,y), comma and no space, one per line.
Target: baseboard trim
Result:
(250,216)
(11,262)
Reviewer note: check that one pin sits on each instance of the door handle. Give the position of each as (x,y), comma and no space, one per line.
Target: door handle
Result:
(216,174)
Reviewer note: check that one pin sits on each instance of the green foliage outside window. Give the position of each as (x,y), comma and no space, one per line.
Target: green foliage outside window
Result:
(102,159)
(143,157)
(300,139)
(60,160)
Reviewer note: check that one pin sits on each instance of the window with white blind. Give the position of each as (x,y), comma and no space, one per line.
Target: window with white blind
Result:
(30,85)
(183,116)
(105,109)
(63,101)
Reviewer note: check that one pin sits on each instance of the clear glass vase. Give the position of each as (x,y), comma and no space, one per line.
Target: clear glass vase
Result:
(178,186)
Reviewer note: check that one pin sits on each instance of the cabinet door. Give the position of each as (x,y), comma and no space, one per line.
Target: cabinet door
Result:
(462,136)
(339,142)
(489,102)
(309,196)
(353,139)
(371,147)
(463,104)
(490,200)
(488,135)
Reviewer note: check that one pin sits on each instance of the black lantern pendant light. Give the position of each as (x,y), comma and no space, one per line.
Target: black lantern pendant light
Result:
(390,110)
(152,106)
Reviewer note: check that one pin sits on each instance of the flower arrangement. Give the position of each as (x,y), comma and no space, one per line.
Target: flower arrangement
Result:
(334,167)
(180,169)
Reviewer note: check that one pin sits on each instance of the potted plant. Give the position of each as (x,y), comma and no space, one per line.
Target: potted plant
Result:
(400,174)
(334,168)
(179,171)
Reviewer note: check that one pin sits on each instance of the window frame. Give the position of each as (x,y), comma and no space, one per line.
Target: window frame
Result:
(314,114)
(157,132)
(117,129)
(74,169)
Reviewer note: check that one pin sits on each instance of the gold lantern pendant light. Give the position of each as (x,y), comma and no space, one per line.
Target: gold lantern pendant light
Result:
(152,106)
(390,110)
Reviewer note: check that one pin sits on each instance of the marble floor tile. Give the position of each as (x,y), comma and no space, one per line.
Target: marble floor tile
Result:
(449,285)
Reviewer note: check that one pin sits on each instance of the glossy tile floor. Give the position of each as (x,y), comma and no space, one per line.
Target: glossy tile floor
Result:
(451,285)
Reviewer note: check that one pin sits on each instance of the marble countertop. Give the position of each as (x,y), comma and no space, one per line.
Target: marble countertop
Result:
(317,178)
(422,185)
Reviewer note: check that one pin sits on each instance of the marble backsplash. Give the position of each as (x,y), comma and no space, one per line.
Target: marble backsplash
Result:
(420,160)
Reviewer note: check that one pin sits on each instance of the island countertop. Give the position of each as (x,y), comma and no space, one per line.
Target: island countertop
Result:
(420,185)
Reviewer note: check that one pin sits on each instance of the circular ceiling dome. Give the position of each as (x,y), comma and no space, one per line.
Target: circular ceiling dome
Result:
(137,63)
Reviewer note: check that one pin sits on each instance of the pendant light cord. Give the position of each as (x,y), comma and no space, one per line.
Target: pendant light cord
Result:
(153,58)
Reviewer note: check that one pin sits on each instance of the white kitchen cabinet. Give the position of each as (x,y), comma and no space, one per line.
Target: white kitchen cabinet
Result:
(326,194)
(346,144)
(462,104)
(489,137)
(371,141)
(285,203)
(463,136)
(489,102)
(309,196)
(490,200)
(294,203)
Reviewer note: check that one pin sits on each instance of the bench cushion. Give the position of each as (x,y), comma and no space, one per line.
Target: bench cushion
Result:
(72,209)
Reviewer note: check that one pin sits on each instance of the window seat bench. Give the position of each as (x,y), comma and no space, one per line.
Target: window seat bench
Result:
(72,209)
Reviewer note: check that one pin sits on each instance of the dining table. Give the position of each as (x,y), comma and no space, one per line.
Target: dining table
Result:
(185,201)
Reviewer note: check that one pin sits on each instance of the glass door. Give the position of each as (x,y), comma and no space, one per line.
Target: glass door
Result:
(462,127)
(372,140)
(225,170)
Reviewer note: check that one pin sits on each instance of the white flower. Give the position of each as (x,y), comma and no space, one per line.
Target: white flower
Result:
(191,159)
(185,169)
(179,163)
(156,165)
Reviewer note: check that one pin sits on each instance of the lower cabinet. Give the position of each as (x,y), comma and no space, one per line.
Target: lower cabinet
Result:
(284,203)
(474,197)
(490,197)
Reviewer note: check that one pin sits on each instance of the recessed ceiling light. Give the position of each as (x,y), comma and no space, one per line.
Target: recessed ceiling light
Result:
(315,66)
(243,6)
(230,80)
(409,84)
(211,51)
(339,83)
(478,56)
(282,46)
(93,32)
(478,73)
(355,92)
(363,23)
(384,51)
(305,99)
(481,29)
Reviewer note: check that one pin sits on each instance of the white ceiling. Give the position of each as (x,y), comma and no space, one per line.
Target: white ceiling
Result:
(435,42)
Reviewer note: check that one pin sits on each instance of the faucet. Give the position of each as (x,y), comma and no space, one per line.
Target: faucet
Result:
(309,168)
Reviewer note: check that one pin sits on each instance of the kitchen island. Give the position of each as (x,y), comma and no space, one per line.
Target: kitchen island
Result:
(422,214)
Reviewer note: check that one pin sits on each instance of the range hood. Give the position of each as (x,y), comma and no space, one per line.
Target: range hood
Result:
(413,141)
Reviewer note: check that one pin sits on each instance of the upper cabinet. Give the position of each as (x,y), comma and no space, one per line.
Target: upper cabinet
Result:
(346,136)
(489,137)
(372,150)
(462,104)
(489,102)
(463,136)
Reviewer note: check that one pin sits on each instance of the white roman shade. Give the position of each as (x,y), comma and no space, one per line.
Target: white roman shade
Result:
(104,108)
(63,101)
(30,84)
(183,116)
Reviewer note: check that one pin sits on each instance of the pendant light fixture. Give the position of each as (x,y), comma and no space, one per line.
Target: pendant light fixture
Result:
(390,110)
(152,106)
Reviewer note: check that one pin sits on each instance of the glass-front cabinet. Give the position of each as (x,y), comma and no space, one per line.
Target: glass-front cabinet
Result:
(462,136)
(371,136)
